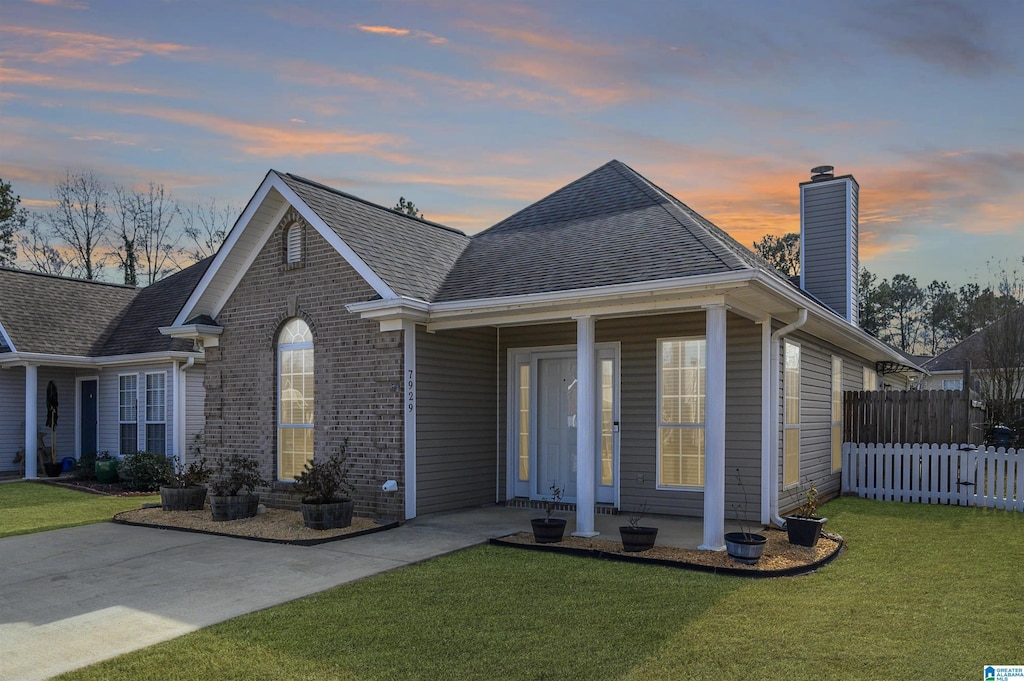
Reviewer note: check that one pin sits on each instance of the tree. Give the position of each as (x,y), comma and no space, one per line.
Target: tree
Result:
(940,312)
(206,226)
(407,207)
(155,216)
(80,219)
(875,304)
(41,255)
(1001,373)
(126,236)
(907,303)
(13,220)
(781,252)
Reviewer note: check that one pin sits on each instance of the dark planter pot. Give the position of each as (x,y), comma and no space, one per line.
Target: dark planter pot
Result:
(234,507)
(637,538)
(53,470)
(745,548)
(191,498)
(548,530)
(327,516)
(804,531)
(106,471)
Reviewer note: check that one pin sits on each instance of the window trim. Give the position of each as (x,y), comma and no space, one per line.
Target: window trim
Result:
(869,373)
(799,416)
(120,422)
(837,415)
(659,424)
(281,348)
(145,410)
(299,245)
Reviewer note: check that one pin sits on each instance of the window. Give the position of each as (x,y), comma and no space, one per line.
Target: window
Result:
(607,421)
(837,413)
(295,399)
(681,375)
(791,428)
(128,413)
(156,413)
(952,384)
(870,379)
(524,421)
(293,244)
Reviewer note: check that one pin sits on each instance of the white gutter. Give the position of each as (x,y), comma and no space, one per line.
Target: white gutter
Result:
(40,359)
(770,474)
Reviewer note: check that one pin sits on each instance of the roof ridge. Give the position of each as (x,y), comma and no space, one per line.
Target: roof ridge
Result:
(333,190)
(61,277)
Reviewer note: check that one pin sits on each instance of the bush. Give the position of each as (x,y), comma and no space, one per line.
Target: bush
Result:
(145,471)
(321,481)
(240,472)
(86,468)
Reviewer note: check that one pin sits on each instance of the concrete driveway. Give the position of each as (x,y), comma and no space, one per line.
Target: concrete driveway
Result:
(72,597)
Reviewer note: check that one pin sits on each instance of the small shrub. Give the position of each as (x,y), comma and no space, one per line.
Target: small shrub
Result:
(195,473)
(240,472)
(145,471)
(322,479)
(86,468)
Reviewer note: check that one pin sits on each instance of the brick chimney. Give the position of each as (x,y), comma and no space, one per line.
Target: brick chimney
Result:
(828,241)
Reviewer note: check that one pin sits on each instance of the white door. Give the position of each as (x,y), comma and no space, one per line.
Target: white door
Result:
(542,420)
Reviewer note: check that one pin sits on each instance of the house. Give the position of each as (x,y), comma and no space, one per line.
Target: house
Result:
(607,340)
(121,384)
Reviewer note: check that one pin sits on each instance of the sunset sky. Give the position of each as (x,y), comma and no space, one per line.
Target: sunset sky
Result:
(474,110)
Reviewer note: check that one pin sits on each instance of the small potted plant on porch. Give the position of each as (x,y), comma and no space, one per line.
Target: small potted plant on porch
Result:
(744,546)
(804,525)
(185,490)
(634,537)
(326,492)
(106,468)
(548,530)
(228,501)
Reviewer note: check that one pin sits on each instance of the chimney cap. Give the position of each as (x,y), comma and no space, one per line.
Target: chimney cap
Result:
(819,173)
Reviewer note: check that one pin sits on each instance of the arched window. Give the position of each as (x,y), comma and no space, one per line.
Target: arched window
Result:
(294,399)
(293,244)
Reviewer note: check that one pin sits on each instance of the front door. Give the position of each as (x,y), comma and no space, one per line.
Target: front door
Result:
(87,415)
(543,423)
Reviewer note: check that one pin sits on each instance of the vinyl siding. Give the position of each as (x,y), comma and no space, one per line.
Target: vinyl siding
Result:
(637,337)
(12,416)
(456,410)
(194,396)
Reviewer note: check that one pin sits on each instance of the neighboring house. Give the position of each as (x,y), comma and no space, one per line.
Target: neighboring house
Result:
(947,369)
(607,339)
(122,385)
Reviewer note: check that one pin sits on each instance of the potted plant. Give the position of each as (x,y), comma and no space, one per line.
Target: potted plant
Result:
(106,468)
(52,467)
(228,501)
(326,492)
(548,530)
(744,546)
(185,490)
(634,537)
(804,525)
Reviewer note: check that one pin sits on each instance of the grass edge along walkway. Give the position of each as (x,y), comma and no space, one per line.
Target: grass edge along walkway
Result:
(922,592)
(27,507)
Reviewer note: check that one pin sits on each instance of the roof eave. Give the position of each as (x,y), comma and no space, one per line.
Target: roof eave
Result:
(19,359)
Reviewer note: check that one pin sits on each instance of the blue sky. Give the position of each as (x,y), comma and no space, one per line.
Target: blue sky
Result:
(474,110)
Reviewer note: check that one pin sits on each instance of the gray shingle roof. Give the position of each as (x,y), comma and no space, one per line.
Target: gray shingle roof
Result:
(971,348)
(611,226)
(79,318)
(411,255)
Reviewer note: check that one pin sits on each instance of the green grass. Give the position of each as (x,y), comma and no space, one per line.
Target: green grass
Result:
(27,507)
(922,592)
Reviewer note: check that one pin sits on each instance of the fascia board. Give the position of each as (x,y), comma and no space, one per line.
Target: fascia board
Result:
(7,338)
(44,359)
(191,330)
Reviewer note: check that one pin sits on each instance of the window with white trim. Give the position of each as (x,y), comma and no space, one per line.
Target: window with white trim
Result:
(791,419)
(295,399)
(952,384)
(870,379)
(837,413)
(293,244)
(128,413)
(682,364)
(156,412)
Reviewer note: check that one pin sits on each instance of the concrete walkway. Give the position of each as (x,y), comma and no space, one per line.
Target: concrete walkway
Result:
(72,597)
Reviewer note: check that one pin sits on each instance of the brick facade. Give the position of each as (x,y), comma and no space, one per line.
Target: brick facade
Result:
(357,370)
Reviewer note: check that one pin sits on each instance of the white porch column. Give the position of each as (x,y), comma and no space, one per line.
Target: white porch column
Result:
(409,392)
(586,425)
(31,424)
(714,430)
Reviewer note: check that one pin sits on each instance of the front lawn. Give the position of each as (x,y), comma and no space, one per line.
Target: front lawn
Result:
(27,507)
(923,592)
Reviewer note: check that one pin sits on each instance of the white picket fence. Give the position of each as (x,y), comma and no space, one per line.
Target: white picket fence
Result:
(959,475)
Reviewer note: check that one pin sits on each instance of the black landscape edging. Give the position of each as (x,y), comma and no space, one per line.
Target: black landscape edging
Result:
(713,569)
(293,542)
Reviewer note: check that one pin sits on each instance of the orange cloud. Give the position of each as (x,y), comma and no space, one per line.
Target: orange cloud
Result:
(551,43)
(318,75)
(402,33)
(9,76)
(483,90)
(271,141)
(66,4)
(68,46)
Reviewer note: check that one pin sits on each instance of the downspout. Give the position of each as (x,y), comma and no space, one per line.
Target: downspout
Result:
(182,406)
(772,472)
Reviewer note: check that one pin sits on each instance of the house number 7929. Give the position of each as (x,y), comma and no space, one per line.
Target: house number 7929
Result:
(411,393)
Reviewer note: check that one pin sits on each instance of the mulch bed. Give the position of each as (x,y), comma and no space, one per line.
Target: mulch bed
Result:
(780,558)
(93,487)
